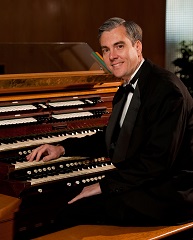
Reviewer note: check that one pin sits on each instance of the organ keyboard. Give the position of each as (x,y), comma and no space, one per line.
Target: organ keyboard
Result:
(47,108)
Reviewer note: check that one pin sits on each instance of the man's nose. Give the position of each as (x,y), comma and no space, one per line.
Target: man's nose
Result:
(112,55)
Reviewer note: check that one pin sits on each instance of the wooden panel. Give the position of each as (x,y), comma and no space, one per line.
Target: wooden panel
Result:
(30,21)
(42,82)
(72,20)
(8,206)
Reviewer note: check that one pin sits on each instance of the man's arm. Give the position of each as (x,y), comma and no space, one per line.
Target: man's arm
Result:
(46,153)
(91,146)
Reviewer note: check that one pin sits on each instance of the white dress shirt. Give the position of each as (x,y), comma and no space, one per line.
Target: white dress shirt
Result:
(129,97)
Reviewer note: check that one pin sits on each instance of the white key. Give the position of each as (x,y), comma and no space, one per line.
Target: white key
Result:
(23,165)
(31,143)
(17,121)
(17,108)
(72,115)
(38,181)
(66,103)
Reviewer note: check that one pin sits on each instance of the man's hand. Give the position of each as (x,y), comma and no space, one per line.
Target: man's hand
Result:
(48,151)
(87,191)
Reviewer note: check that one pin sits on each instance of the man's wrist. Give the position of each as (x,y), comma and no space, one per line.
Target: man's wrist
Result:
(61,149)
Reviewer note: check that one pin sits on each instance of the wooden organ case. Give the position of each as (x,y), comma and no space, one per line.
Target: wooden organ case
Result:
(47,108)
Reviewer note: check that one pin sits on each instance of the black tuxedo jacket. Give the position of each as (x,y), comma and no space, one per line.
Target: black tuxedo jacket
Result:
(154,150)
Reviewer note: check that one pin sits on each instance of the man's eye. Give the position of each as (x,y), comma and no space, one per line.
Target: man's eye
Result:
(120,46)
(105,51)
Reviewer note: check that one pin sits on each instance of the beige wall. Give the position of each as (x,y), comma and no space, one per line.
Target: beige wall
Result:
(78,20)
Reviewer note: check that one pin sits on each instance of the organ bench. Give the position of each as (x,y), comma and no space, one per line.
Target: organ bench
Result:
(97,232)
(9,205)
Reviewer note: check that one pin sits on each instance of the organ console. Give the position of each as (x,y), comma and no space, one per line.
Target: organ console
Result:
(39,108)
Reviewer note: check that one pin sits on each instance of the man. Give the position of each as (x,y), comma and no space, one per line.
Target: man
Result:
(151,146)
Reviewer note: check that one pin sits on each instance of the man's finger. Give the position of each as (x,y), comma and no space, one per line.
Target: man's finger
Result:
(79,196)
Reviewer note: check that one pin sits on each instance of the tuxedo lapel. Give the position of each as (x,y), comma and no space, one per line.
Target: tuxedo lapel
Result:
(113,119)
(126,130)
(122,144)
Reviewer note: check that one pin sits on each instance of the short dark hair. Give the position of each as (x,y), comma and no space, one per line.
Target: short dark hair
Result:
(133,30)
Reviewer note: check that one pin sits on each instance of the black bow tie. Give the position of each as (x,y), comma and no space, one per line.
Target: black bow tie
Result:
(123,91)
(127,89)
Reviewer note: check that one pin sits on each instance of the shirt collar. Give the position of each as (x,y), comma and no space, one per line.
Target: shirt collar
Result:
(134,85)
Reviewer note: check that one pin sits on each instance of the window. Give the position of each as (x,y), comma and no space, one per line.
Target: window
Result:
(179,27)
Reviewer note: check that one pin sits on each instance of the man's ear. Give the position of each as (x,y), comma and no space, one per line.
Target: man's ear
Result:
(138,46)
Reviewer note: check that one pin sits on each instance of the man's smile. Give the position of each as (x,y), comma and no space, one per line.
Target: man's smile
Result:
(114,65)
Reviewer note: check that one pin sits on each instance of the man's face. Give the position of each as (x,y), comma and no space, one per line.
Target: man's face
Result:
(120,56)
